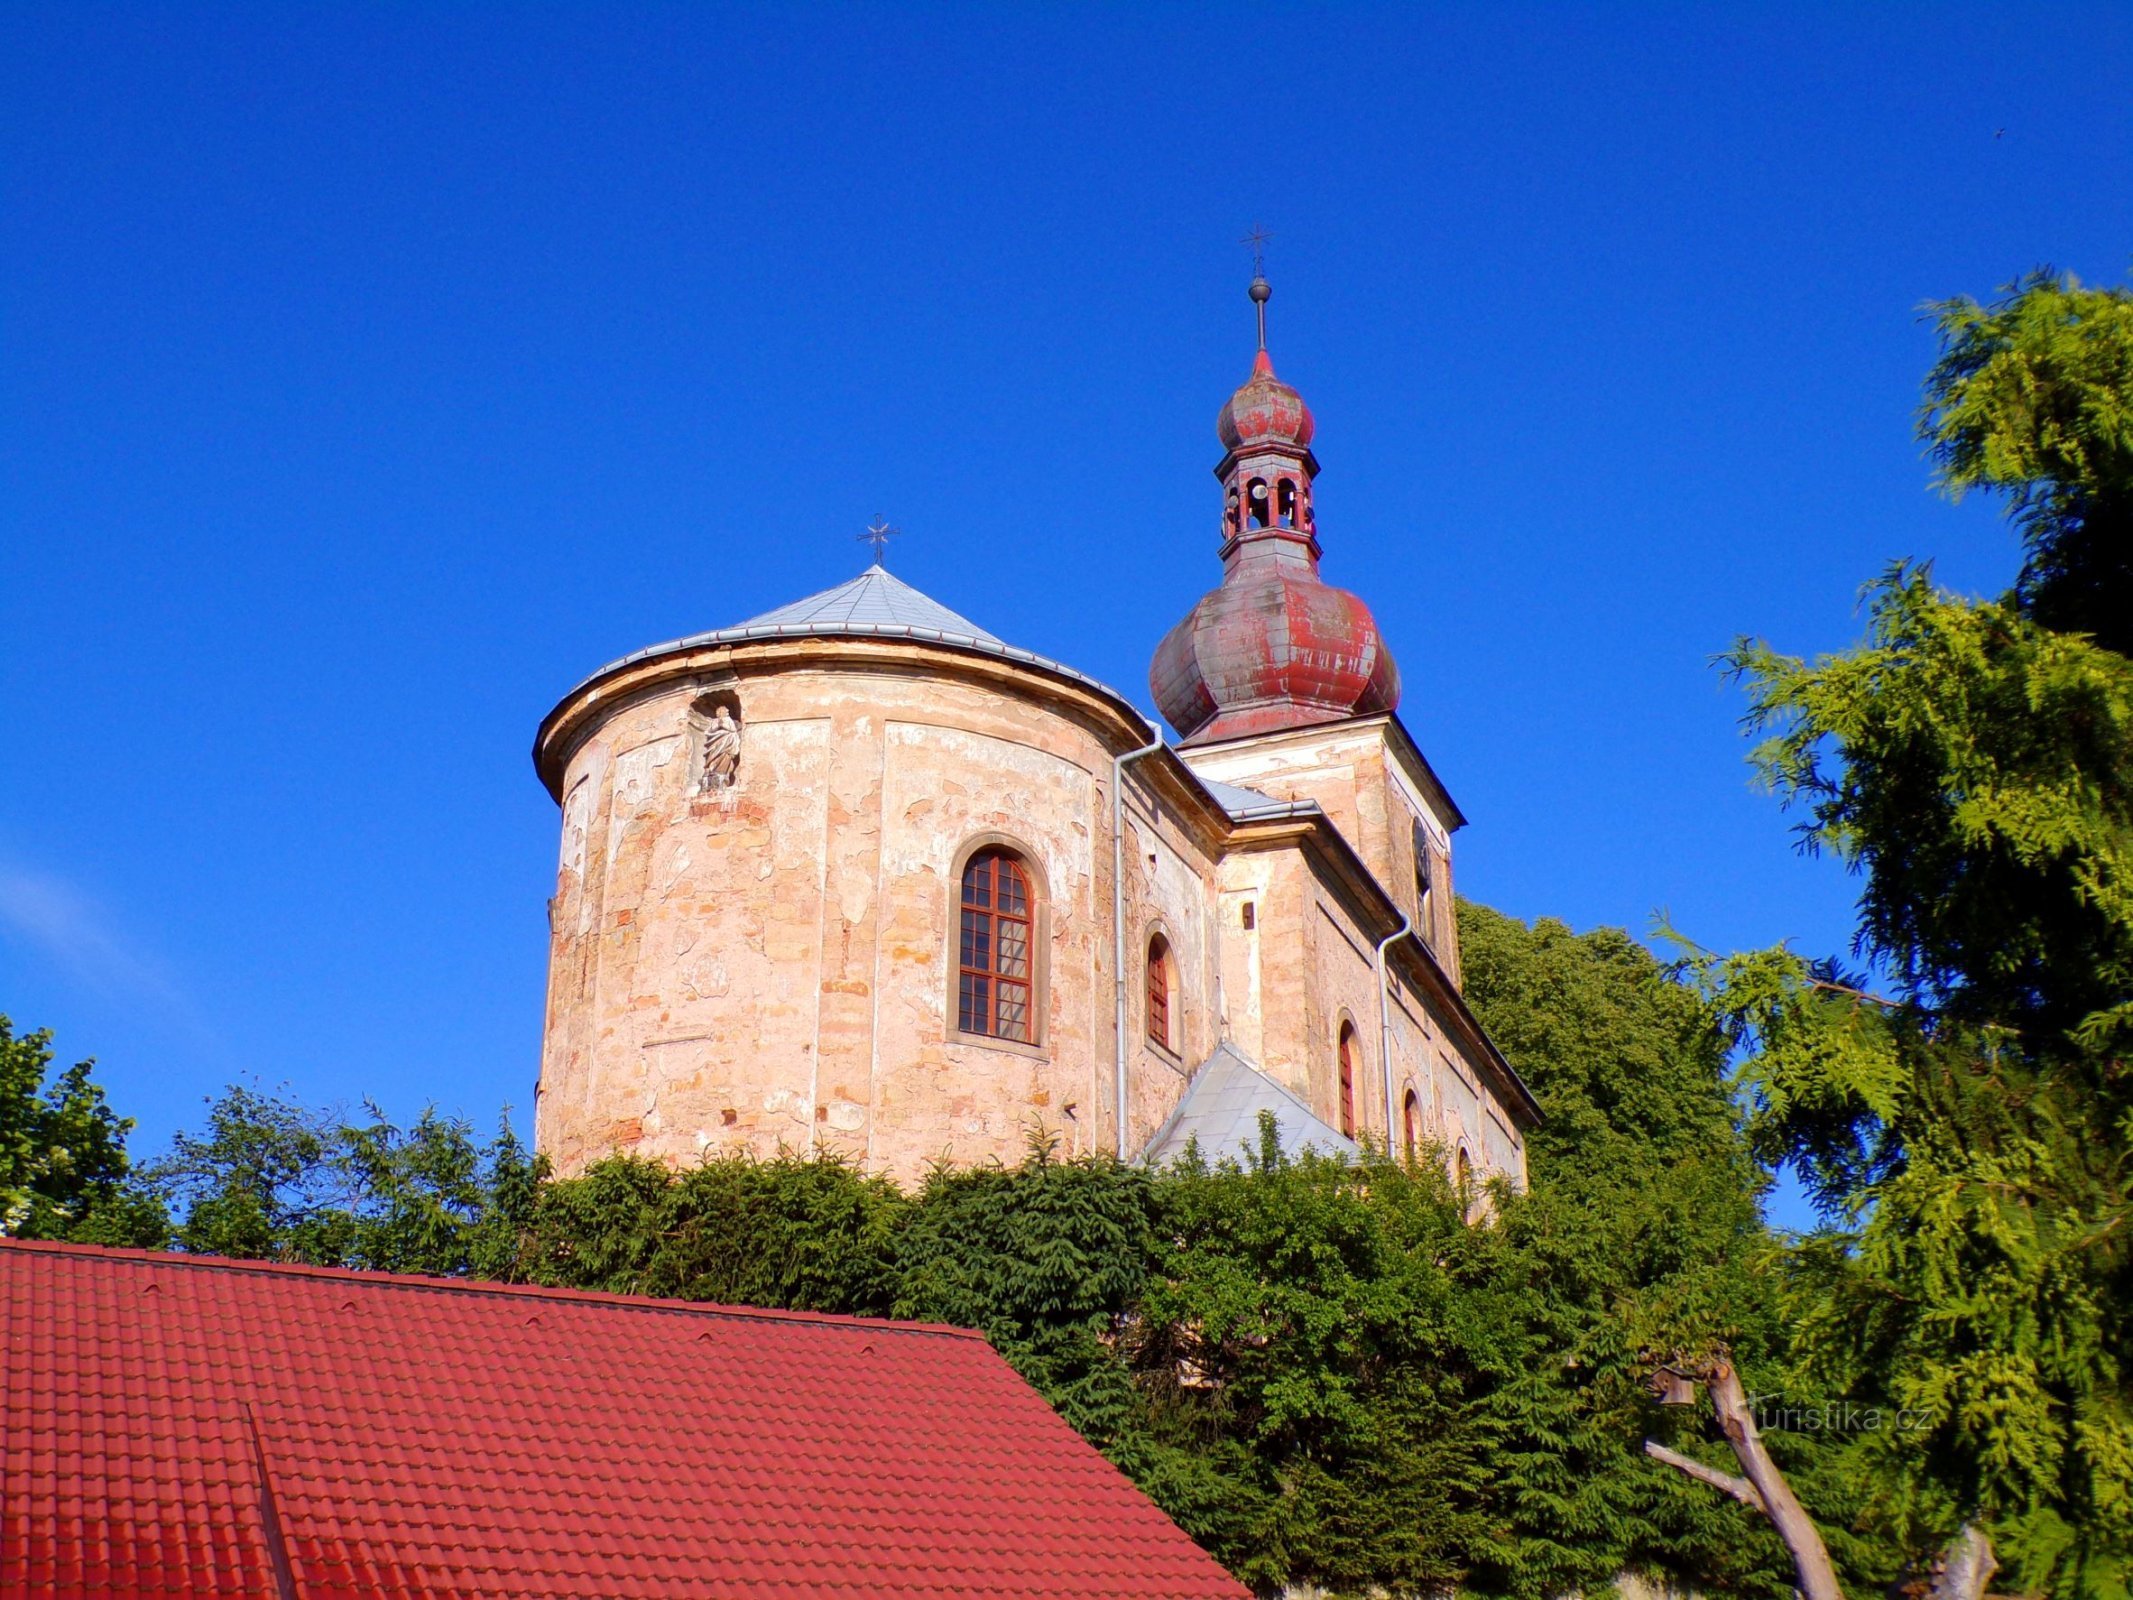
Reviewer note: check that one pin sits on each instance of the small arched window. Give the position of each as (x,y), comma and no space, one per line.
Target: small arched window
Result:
(1285,503)
(993,980)
(1347,1069)
(1425,882)
(1463,1170)
(1411,1123)
(1257,512)
(1159,992)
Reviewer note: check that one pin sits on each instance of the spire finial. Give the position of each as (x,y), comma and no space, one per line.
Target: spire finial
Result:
(1262,291)
(878,534)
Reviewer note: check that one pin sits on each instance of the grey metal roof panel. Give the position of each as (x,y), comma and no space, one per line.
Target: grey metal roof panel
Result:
(1242,803)
(875,604)
(876,598)
(1221,1111)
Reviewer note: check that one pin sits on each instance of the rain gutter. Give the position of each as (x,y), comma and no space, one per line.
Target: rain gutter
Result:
(1118,918)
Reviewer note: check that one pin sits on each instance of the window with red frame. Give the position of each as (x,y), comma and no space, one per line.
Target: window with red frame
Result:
(1411,1122)
(1348,1079)
(1159,992)
(994,979)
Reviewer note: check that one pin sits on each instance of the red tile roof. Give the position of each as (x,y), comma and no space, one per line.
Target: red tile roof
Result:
(430,1437)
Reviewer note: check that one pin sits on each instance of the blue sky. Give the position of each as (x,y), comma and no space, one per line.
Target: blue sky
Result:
(368,375)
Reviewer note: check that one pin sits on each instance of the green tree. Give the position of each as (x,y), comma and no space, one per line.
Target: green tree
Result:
(270,1179)
(1640,1238)
(1969,1131)
(63,1165)
(1301,1350)
(2033,399)
(257,1183)
(791,1232)
(1045,1259)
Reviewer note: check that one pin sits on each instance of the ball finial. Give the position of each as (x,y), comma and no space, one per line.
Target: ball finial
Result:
(1261,291)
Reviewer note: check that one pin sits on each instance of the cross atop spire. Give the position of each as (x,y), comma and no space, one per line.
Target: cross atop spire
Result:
(878,534)
(1262,291)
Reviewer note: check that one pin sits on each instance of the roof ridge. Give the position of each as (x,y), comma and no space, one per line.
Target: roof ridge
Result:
(905,604)
(430,1283)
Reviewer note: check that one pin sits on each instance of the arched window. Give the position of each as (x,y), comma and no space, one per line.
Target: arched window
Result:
(1285,503)
(1347,1066)
(1463,1170)
(1257,511)
(1159,992)
(1411,1123)
(993,980)
(1425,881)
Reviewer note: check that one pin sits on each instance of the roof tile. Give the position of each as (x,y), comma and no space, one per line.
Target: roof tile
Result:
(428,1437)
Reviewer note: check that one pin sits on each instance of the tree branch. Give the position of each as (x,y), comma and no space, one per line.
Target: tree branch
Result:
(1818,1575)
(1827,987)
(1740,1488)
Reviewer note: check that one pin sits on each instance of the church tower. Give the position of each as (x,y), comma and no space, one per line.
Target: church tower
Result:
(1274,646)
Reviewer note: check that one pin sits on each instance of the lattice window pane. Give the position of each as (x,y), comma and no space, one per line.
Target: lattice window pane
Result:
(1014,950)
(1014,1012)
(1014,892)
(996,954)
(1159,996)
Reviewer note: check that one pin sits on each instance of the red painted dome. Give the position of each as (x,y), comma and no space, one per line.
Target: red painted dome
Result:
(1275,646)
(1265,411)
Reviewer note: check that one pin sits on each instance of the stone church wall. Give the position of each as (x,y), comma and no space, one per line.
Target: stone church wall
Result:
(768,965)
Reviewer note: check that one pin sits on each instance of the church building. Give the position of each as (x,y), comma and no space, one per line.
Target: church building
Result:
(859,876)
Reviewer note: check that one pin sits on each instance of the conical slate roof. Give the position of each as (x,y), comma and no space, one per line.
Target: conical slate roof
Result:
(876,604)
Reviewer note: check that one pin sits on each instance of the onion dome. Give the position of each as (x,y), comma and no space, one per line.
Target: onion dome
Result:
(1273,646)
(1271,649)
(1265,410)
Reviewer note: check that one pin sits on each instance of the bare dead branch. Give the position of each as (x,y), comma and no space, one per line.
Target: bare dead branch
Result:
(1818,1574)
(1740,1488)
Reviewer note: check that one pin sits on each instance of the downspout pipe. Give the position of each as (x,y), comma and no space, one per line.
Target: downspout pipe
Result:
(1385,1022)
(1118,918)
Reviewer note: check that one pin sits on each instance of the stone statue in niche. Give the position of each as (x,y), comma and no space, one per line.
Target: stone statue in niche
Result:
(722,751)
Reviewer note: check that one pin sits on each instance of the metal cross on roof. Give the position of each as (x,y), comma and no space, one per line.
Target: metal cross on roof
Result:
(1261,290)
(878,534)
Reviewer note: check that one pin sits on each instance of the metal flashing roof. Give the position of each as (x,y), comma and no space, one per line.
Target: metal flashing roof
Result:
(1249,805)
(1221,1111)
(876,604)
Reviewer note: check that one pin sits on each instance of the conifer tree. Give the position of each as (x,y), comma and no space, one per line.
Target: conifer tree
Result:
(1961,1108)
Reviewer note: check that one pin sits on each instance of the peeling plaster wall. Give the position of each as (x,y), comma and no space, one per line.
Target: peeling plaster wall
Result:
(1171,887)
(684,950)
(1353,773)
(1287,984)
(768,965)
